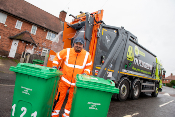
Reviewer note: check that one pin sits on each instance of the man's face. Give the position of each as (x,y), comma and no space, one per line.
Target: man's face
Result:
(78,47)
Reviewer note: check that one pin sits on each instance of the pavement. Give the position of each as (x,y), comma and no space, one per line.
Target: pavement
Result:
(7,77)
(7,83)
(5,64)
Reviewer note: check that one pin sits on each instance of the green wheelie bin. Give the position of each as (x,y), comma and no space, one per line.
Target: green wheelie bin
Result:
(37,61)
(34,91)
(92,96)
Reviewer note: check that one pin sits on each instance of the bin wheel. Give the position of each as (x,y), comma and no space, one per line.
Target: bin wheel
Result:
(124,90)
(155,93)
(135,91)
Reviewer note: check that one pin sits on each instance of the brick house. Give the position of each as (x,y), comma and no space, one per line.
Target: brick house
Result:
(25,27)
(168,79)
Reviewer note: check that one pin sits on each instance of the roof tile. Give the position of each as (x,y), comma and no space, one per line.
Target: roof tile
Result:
(31,13)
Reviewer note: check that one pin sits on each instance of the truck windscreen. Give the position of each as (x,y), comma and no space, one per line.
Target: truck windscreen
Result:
(107,38)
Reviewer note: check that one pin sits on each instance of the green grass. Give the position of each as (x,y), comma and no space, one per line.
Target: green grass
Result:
(3,58)
(14,60)
(2,72)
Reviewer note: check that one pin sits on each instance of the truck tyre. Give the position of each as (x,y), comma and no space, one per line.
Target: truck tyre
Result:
(123,90)
(154,94)
(135,91)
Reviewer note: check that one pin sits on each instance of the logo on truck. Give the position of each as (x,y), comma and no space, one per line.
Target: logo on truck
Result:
(136,51)
(142,64)
(135,60)
(130,54)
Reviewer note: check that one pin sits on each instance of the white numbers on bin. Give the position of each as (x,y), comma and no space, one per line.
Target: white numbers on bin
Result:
(24,109)
(13,112)
(34,114)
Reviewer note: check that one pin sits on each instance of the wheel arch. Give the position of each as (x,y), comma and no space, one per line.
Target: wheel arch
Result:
(124,78)
(134,82)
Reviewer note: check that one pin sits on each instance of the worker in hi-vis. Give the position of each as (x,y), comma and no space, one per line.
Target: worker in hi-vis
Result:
(75,61)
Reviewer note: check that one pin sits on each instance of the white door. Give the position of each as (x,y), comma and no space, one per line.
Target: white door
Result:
(13,48)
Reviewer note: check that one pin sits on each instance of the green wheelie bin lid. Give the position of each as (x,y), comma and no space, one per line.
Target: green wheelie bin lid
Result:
(96,83)
(35,70)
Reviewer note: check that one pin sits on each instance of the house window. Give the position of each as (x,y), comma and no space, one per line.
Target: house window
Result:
(33,30)
(50,36)
(3,18)
(44,51)
(18,24)
(53,36)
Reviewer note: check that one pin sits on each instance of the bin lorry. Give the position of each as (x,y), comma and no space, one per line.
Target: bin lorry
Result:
(116,55)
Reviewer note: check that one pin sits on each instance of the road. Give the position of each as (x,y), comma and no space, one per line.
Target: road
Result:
(145,106)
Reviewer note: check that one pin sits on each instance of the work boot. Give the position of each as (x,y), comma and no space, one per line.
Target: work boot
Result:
(55,113)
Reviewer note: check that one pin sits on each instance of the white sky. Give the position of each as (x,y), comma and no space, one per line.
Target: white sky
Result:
(151,21)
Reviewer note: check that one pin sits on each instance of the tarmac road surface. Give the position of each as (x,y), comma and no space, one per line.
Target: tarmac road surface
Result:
(145,106)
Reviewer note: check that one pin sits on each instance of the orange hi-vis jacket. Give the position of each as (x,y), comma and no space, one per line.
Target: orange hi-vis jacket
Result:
(73,64)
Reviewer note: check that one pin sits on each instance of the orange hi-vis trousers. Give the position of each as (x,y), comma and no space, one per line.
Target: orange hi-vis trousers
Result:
(60,97)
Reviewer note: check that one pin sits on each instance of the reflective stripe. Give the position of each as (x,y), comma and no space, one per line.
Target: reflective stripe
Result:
(64,79)
(89,63)
(87,70)
(65,115)
(76,66)
(59,56)
(66,111)
(56,112)
(68,51)
(56,62)
(85,59)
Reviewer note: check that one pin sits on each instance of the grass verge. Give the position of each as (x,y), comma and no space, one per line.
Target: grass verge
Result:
(5,58)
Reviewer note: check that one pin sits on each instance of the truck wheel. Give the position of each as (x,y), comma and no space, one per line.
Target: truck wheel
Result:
(135,91)
(154,94)
(123,90)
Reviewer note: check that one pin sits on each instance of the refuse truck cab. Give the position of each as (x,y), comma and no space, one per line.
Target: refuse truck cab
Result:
(116,55)
(160,73)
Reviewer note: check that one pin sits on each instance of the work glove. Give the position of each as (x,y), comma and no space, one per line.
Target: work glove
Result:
(54,67)
(60,72)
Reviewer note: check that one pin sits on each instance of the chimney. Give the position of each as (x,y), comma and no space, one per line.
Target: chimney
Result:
(171,75)
(62,16)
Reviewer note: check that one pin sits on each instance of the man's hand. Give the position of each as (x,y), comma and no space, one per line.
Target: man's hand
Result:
(59,72)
